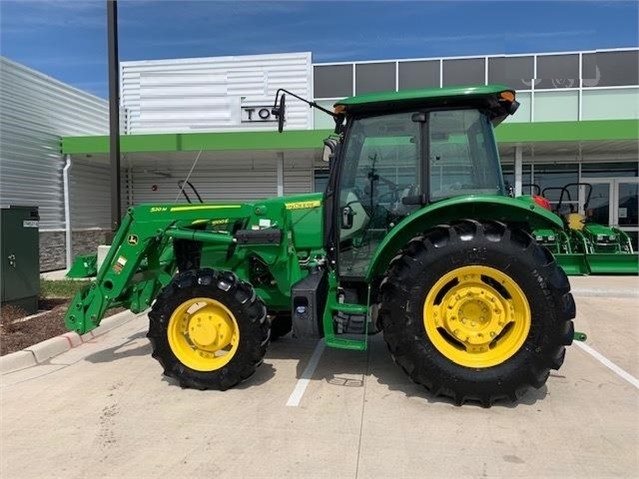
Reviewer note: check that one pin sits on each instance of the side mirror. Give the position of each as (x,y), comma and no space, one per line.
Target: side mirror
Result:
(280,113)
(329,150)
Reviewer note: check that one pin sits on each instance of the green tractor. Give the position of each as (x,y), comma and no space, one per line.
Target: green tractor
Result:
(414,237)
(584,246)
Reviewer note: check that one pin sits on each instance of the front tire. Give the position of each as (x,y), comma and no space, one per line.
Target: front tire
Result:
(476,312)
(208,329)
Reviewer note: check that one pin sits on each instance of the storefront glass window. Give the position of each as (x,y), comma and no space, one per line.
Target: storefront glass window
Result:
(610,68)
(509,178)
(557,106)
(615,104)
(333,81)
(373,77)
(557,71)
(515,72)
(551,178)
(464,72)
(609,170)
(419,74)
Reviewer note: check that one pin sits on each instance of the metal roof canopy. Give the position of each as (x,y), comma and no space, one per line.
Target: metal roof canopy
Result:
(159,160)
(548,138)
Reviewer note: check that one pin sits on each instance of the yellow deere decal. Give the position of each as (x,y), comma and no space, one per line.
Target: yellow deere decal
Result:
(220,222)
(300,205)
(204,207)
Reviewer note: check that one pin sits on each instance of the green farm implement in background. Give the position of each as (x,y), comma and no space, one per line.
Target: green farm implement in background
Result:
(414,237)
(583,246)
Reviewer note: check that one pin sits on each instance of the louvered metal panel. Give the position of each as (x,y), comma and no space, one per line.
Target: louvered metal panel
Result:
(298,176)
(235,180)
(90,194)
(209,94)
(36,110)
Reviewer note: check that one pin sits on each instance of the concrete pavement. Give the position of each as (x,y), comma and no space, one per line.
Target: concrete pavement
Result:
(104,410)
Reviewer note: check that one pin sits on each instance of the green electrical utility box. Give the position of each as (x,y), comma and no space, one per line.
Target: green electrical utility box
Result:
(20,274)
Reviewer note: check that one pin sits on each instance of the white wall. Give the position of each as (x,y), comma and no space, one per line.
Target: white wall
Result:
(35,111)
(214,94)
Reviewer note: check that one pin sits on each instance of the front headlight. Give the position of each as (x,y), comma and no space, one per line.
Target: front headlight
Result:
(601,237)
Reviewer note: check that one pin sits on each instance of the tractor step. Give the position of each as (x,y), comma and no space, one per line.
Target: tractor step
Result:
(347,308)
(343,343)
(350,323)
(351,319)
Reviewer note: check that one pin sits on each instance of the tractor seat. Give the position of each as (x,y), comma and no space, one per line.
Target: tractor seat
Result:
(576,221)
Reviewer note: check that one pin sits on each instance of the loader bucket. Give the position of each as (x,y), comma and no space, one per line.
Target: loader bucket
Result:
(573,264)
(84,267)
(613,263)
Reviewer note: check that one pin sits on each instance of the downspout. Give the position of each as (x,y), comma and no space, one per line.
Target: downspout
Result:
(67,212)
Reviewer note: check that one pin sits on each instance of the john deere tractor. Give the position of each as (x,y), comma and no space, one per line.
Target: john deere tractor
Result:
(584,246)
(414,237)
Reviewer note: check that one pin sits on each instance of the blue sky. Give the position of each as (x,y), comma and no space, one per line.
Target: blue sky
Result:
(67,39)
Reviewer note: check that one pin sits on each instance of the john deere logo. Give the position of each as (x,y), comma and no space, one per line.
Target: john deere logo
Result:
(133,240)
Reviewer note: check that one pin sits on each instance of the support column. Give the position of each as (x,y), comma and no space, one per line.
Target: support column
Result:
(67,212)
(518,169)
(114,113)
(280,174)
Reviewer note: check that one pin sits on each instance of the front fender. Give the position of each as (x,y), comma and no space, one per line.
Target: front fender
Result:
(522,210)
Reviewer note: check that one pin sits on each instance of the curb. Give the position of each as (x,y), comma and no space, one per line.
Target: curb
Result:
(608,293)
(45,350)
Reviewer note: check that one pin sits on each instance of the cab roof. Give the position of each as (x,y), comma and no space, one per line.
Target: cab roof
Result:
(423,97)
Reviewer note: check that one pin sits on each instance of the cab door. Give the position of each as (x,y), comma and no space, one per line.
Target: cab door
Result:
(380,167)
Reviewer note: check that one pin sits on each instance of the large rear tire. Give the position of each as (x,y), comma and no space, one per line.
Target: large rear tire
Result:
(476,312)
(208,329)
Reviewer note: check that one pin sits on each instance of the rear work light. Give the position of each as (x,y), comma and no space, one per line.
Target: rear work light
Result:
(541,201)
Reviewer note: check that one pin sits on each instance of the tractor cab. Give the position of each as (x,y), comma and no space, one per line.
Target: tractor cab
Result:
(392,165)
(401,152)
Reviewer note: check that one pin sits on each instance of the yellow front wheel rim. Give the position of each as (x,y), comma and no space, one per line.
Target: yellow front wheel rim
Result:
(203,334)
(477,316)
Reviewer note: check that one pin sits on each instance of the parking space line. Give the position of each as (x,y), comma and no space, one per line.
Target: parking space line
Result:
(296,396)
(609,364)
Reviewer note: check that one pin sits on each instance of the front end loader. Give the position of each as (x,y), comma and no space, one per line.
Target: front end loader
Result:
(414,237)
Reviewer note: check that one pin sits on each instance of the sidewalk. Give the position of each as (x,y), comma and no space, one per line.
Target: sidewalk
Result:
(613,286)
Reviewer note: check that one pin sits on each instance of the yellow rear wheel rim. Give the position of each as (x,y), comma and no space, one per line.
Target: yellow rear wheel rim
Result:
(203,334)
(477,316)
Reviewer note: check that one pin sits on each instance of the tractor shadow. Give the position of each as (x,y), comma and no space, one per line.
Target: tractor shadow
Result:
(352,369)
(383,369)
(337,367)
(135,345)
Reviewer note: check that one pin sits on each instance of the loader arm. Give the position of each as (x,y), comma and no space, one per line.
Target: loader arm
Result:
(141,259)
